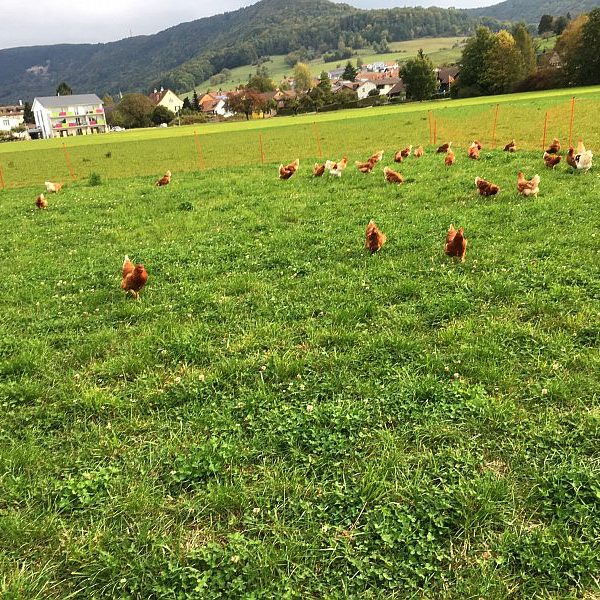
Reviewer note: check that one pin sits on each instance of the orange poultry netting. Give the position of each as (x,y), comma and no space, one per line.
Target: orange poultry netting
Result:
(309,138)
(533,127)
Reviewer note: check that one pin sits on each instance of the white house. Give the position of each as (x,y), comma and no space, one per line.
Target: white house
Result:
(168,99)
(214,104)
(385,84)
(10,116)
(60,116)
(363,88)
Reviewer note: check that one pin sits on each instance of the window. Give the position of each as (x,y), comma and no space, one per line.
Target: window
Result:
(5,122)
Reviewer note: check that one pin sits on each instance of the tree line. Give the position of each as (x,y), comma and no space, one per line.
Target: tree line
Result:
(506,61)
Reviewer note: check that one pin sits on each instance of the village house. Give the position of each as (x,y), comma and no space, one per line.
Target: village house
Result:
(385,84)
(213,105)
(363,88)
(335,73)
(398,91)
(446,76)
(59,116)
(10,117)
(555,61)
(284,96)
(381,67)
(168,99)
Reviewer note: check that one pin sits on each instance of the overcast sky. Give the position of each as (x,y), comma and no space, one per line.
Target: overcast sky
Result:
(80,21)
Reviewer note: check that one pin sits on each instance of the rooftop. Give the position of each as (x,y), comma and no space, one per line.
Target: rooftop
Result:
(60,101)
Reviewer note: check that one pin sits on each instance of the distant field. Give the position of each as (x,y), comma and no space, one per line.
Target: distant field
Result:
(354,132)
(545,44)
(440,50)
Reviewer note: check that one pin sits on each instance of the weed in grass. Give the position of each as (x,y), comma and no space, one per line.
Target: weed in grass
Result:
(94,179)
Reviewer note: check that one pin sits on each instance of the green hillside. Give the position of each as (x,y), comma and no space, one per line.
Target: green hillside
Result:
(183,56)
(442,51)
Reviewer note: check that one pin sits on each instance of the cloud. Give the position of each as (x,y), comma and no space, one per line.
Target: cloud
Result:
(84,21)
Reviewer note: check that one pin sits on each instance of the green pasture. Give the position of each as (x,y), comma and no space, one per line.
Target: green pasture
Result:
(441,51)
(283,415)
(356,133)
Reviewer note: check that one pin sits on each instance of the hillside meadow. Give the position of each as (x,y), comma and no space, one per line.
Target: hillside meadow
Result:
(442,51)
(283,415)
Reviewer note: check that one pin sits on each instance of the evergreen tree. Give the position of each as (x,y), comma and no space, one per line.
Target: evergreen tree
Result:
(325,86)
(349,73)
(546,24)
(187,105)
(195,101)
(325,82)
(419,77)
(28,113)
(560,24)
(64,89)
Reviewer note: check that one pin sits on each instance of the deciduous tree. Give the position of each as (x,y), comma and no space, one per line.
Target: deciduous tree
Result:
(473,59)
(161,114)
(302,77)
(245,101)
(588,57)
(503,64)
(261,81)
(134,110)
(526,49)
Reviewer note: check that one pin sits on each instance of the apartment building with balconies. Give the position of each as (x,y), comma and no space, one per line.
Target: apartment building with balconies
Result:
(60,116)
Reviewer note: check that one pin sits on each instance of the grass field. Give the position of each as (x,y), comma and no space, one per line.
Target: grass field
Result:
(283,415)
(441,51)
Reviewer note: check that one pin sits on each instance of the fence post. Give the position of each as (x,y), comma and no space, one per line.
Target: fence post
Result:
(68,159)
(545,129)
(262,152)
(319,150)
(430,123)
(571,124)
(434,132)
(495,123)
(2,178)
(200,157)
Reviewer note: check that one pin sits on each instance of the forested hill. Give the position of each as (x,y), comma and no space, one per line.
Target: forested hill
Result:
(186,54)
(531,11)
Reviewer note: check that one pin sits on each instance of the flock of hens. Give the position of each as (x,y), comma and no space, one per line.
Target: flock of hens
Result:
(134,277)
(456,243)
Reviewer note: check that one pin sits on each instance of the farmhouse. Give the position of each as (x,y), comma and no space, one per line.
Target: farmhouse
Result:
(168,99)
(60,116)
